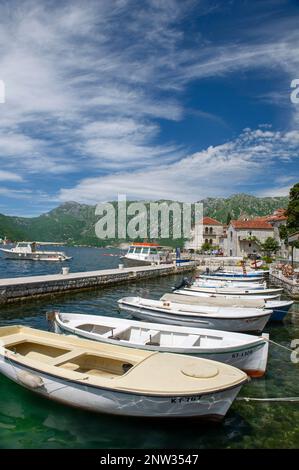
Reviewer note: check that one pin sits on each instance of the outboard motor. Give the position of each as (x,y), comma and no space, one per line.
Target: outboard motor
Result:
(185,282)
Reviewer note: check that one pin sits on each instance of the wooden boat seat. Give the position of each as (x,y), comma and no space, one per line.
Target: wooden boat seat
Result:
(117,333)
(190,341)
(152,337)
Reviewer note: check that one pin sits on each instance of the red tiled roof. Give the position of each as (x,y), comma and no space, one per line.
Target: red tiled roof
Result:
(252,224)
(210,221)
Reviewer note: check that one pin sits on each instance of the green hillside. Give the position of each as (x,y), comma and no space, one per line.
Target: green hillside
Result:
(74,223)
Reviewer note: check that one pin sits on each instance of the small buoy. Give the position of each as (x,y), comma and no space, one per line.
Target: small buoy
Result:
(30,380)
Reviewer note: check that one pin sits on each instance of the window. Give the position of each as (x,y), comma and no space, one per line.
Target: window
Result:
(207,229)
(211,241)
(138,249)
(249,244)
(145,251)
(206,240)
(231,235)
(153,251)
(211,229)
(131,250)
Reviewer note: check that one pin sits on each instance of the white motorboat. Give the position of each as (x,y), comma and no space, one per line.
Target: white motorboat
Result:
(28,251)
(279,308)
(218,318)
(111,379)
(246,352)
(145,254)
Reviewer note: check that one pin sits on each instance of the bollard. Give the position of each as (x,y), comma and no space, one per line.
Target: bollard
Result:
(65,271)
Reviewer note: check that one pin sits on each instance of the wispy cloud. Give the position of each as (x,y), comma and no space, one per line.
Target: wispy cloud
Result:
(90,85)
(238,163)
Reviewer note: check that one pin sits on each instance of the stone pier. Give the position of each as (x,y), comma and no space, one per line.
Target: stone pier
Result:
(27,288)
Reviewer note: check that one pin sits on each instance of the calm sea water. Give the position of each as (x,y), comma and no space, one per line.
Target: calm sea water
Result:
(28,421)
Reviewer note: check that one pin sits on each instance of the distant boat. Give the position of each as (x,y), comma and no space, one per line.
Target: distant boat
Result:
(28,251)
(146,254)
(218,318)
(246,352)
(105,378)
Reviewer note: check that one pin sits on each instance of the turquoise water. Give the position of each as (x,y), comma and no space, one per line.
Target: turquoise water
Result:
(28,421)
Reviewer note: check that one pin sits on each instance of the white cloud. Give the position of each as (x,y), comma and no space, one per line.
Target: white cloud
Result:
(9,176)
(219,170)
(87,82)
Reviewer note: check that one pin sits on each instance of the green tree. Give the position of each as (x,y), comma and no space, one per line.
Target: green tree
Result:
(270,246)
(206,246)
(283,233)
(293,209)
(228,218)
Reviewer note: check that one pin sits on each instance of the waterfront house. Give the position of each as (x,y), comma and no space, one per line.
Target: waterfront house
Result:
(245,236)
(210,231)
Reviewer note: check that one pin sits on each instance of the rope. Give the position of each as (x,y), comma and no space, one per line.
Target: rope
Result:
(279,345)
(279,399)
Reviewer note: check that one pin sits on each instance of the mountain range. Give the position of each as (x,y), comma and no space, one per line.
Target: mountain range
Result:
(74,223)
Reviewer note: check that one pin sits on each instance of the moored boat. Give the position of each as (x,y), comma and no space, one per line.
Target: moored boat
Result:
(112,379)
(218,318)
(209,293)
(28,251)
(143,253)
(235,291)
(246,352)
(279,308)
(239,279)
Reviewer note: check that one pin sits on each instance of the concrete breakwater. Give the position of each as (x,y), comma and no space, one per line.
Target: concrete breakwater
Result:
(27,288)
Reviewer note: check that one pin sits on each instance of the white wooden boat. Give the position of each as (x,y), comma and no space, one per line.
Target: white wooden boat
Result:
(237,273)
(236,291)
(209,294)
(28,251)
(279,308)
(239,279)
(112,379)
(246,352)
(218,318)
(228,284)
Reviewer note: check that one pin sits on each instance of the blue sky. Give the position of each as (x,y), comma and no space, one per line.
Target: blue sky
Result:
(154,99)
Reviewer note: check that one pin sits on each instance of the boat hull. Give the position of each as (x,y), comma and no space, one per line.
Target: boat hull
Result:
(210,406)
(252,324)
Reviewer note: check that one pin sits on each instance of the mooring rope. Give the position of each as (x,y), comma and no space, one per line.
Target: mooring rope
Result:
(278,399)
(279,345)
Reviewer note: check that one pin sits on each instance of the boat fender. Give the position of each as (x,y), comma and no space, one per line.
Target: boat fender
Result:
(30,380)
